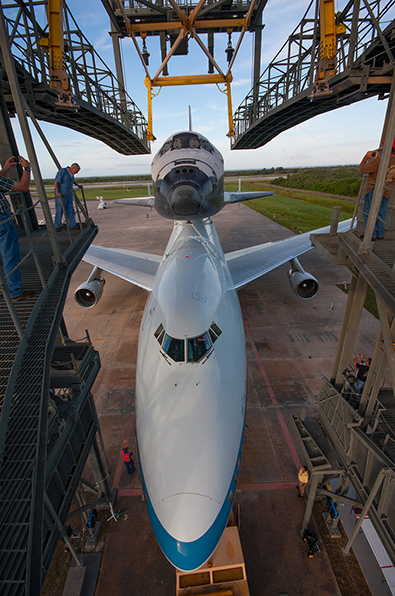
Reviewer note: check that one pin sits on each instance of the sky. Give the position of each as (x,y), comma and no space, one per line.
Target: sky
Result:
(340,137)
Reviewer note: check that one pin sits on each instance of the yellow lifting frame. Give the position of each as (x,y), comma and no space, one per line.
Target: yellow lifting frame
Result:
(187,26)
(188,80)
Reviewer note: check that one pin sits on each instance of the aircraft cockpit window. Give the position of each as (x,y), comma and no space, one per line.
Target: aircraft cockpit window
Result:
(159,333)
(206,145)
(198,346)
(174,348)
(186,140)
(215,332)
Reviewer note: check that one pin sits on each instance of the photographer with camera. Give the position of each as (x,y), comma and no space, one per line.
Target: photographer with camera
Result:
(9,245)
(370,165)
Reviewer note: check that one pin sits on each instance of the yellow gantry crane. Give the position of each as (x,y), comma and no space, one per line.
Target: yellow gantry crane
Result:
(54,43)
(186,27)
(326,67)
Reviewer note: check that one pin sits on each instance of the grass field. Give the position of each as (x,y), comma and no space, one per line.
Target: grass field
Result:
(116,192)
(294,208)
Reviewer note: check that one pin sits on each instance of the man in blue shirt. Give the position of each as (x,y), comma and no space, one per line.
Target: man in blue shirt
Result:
(9,245)
(64,181)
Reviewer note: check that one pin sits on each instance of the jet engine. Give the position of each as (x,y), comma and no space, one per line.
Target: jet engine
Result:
(89,293)
(303,284)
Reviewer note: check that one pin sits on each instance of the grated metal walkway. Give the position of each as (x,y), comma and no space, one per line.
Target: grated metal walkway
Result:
(24,449)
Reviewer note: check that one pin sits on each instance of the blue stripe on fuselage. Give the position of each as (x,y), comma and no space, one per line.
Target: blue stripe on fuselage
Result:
(188,556)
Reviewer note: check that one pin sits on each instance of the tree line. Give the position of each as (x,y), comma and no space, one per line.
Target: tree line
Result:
(342,180)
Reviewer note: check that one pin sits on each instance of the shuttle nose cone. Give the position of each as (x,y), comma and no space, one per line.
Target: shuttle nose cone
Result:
(185,200)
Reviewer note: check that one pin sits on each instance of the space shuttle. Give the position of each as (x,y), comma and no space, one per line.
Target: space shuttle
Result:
(191,375)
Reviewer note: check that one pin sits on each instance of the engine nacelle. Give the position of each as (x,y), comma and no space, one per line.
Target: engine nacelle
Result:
(89,293)
(303,284)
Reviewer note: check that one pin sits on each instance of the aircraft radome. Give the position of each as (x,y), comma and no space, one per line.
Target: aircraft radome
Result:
(191,378)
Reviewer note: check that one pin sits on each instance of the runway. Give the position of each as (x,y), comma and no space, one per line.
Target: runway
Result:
(291,345)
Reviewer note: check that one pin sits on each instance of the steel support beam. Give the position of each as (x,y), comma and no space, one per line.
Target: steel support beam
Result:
(355,303)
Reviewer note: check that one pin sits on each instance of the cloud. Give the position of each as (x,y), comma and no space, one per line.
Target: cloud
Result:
(295,156)
(241,82)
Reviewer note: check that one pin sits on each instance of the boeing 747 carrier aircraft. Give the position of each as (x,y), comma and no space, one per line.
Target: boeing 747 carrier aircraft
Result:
(191,379)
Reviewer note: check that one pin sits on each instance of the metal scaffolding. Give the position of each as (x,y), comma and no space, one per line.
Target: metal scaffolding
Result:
(361,428)
(284,95)
(48,425)
(95,102)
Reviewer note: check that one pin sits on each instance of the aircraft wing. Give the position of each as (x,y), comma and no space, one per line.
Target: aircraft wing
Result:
(138,268)
(237,197)
(250,263)
(143,201)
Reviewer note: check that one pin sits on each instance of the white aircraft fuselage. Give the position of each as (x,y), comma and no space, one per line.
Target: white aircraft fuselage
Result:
(191,395)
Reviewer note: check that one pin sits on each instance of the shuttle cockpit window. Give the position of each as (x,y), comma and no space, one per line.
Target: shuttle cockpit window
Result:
(206,145)
(186,140)
(174,348)
(166,147)
(198,346)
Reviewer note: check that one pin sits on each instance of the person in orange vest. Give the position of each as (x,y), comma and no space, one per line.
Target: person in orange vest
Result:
(127,458)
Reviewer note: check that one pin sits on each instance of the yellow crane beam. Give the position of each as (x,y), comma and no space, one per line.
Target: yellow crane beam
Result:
(326,66)
(55,45)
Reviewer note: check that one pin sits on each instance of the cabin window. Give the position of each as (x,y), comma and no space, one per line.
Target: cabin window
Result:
(198,346)
(174,348)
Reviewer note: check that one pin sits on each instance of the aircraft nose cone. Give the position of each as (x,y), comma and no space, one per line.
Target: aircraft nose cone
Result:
(185,200)
(190,529)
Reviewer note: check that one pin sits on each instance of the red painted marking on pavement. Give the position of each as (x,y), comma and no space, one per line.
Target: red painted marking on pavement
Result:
(129,492)
(280,417)
(118,471)
(267,486)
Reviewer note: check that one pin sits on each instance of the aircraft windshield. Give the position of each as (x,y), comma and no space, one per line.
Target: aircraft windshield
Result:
(196,347)
(174,348)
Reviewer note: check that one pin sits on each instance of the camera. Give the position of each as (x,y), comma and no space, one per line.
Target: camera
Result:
(17,159)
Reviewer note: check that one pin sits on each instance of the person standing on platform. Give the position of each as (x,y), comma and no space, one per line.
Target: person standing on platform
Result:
(9,245)
(127,458)
(370,165)
(64,181)
(303,477)
(362,364)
